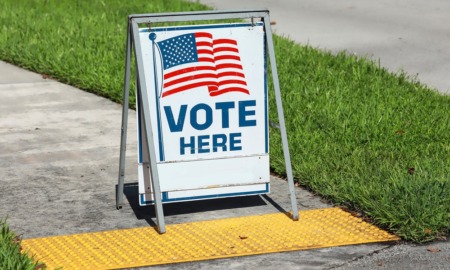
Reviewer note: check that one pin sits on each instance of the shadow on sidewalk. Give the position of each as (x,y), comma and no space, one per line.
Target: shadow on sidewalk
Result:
(131,191)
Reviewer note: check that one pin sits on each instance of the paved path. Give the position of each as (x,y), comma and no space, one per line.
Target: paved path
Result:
(412,35)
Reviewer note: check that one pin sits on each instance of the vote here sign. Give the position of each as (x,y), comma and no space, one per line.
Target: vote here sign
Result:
(207,89)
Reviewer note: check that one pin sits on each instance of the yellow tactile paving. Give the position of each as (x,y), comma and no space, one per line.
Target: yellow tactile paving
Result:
(204,240)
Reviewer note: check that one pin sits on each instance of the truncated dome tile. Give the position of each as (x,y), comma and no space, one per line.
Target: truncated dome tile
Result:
(204,240)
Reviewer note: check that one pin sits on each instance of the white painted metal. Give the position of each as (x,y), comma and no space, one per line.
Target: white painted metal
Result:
(189,175)
(249,169)
(148,131)
(187,167)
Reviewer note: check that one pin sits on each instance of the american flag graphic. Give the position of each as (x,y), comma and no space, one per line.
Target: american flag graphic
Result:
(194,60)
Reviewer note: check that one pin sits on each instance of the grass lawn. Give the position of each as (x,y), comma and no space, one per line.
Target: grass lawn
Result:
(362,137)
(10,256)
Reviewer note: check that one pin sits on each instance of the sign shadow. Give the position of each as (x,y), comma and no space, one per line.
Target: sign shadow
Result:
(131,191)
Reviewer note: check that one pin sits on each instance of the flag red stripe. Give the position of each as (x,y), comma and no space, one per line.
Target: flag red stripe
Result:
(204,51)
(230,73)
(229,66)
(224,41)
(188,87)
(187,70)
(226,49)
(190,78)
(225,57)
(203,34)
(226,90)
(203,43)
(206,59)
(232,81)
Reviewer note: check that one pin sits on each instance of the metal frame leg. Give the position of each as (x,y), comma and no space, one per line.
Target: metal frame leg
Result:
(276,84)
(148,131)
(123,136)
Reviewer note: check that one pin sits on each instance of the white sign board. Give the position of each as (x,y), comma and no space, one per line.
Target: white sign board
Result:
(207,90)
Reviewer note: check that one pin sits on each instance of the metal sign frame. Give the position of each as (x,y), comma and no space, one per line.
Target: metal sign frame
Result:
(142,96)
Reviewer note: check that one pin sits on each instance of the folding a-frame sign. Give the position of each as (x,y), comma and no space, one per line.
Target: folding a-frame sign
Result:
(202,107)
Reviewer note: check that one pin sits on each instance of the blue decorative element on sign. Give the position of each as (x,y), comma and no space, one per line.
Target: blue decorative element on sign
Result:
(152,36)
(178,50)
(143,201)
(266,102)
(139,128)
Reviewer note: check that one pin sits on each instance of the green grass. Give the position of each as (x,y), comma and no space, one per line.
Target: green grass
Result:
(366,138)
(11,257)
(77,42)
(360,136)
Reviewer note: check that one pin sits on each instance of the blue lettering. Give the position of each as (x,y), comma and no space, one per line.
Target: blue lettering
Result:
(194,115)
(219,140)
(243,113)
(202,143)
(225,107)
(246,114)
(183,145)
(235,138)
(178,126)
